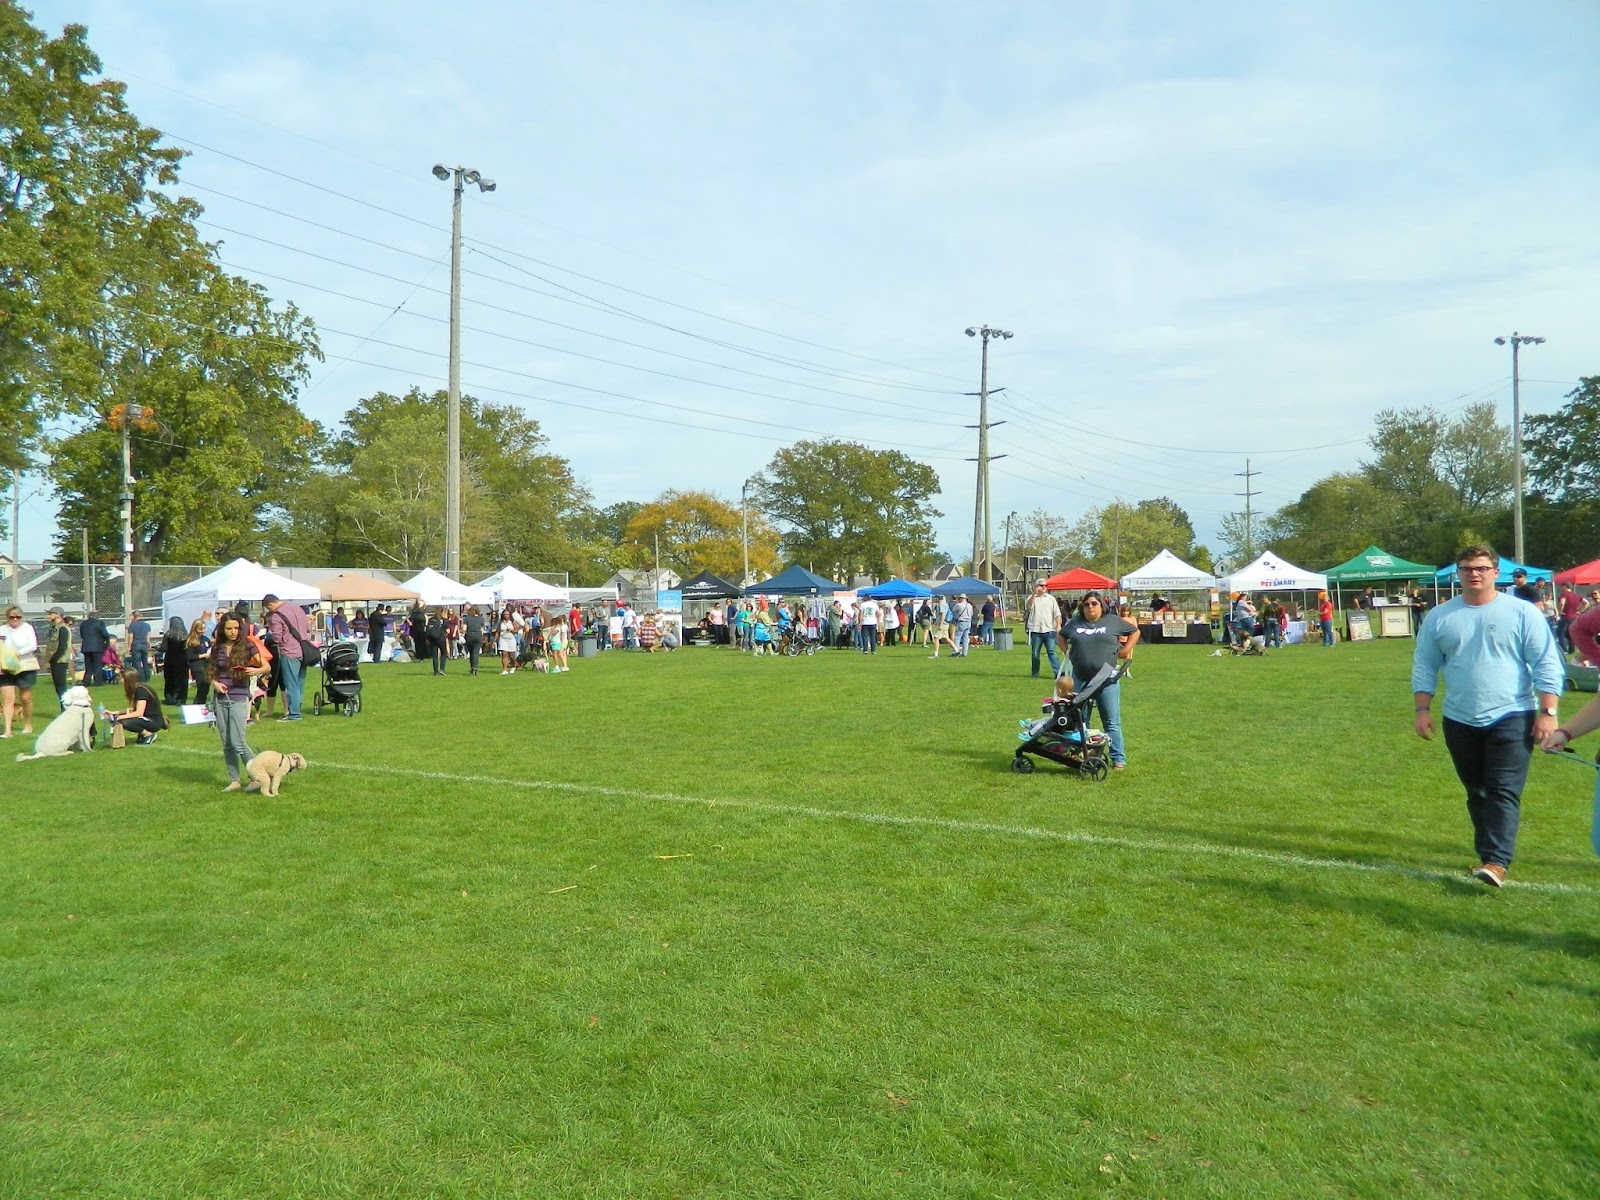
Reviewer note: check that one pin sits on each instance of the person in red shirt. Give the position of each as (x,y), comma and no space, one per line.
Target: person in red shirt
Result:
(1325,617)
(1568,606)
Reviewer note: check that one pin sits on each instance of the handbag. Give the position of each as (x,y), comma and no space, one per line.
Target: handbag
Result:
(310,652)
(119,736)
(10,660)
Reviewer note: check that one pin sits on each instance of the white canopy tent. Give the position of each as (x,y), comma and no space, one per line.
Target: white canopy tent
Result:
(239,580)
(516,586)
(1269,573)
(440,591)
(1166,572)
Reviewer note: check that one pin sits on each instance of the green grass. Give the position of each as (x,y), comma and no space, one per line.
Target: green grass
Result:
(881,964)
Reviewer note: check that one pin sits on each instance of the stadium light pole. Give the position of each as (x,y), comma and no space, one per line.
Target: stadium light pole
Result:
(744,537)
(452,474)
(980,509)
(1517,341)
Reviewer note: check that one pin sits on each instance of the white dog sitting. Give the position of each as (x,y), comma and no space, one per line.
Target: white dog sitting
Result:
(68,732)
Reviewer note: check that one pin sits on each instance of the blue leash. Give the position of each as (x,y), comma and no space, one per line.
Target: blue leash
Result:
(1571,756)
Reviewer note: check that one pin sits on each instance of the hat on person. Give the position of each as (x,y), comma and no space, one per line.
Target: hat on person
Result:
(1519,573)
(55,612)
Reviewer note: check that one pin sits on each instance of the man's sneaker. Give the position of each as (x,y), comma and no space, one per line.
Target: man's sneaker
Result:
(1491,873)
(146,738)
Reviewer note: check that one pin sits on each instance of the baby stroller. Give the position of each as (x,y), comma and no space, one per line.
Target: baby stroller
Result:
(1063,735)
(341,680)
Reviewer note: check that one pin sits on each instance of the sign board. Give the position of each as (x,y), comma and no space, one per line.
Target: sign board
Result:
(1038,562)
(1394,621)
(1359,625)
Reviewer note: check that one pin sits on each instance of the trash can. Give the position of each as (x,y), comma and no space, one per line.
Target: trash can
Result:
(1002,639)
(588,646)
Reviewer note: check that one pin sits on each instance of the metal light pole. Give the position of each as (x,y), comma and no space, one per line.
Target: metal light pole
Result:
(452,474)
(744,512)
(980,508)
(1517,341)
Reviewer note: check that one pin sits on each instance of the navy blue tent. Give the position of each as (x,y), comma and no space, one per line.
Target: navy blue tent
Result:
(896,589)
(795,581)
(967,585)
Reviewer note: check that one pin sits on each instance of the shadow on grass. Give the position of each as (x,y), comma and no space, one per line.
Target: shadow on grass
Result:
(1412,919)
(1319,840)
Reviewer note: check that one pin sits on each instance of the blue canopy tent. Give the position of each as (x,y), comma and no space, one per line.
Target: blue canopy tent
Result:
(896,589)
(1446,576)
(967,585)
(795,581)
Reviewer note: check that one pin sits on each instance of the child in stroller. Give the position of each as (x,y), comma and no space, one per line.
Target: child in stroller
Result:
(1063,735)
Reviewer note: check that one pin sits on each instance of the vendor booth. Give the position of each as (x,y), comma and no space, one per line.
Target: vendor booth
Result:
(795,581)
(896,589)
(700,595)
(437,590)
(966,585)
(1269,573)
(1188,590)
(226,586)
(1375,566)
(352,587)
(1587,575)
(1079,579)
(517,587)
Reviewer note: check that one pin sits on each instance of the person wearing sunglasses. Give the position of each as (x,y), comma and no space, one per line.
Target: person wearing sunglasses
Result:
(19,668)
(1503,676)
(1094,638)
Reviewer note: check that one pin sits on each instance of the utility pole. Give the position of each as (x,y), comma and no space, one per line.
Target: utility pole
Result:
(744,513)
(980,507)
(1116,542)
(88,577)
(1010,517)
(1517,341)
(452,472)
(16,522)
(1249,528)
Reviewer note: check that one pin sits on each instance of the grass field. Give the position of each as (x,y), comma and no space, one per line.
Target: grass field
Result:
(703,925)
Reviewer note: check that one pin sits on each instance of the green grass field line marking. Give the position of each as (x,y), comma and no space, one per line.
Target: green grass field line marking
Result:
(945,823)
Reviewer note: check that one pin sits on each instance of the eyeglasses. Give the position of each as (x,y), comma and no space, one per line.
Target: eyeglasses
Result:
(1475,570)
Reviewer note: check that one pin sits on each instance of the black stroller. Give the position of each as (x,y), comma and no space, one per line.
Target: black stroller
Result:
(341,680)
(1063,735)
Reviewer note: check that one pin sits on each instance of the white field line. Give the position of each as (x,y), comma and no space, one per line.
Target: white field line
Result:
(1151,845)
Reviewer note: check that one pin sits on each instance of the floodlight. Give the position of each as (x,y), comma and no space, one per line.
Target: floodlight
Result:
(440,171)
(486,185)
(472,177)
(1006,334)
(971,332)
(1499,341)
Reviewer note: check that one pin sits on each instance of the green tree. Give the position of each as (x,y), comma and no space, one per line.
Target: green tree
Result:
(1561,518)
(1119,537)
(79,192)
(848,509)
(699,532)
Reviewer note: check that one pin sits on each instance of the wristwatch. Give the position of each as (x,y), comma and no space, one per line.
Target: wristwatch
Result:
(1549,712)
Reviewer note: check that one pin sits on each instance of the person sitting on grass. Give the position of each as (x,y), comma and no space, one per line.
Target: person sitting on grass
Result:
(143,715)
(648,633)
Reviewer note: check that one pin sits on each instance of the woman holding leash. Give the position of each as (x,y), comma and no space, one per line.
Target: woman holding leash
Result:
(235,665)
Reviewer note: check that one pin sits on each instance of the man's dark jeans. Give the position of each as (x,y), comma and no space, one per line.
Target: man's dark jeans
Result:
(1492,764)
(1047,643)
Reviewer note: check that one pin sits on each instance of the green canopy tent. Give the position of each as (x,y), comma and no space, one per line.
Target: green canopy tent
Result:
(1373,565)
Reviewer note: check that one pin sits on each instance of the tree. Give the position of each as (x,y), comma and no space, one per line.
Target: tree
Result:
(849,509)
(1040,533)
(699,532)
(1562,517)
(79,180)
(379,492)
(1119,537)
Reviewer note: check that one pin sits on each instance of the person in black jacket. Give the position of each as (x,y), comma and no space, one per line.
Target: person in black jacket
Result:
(435,636)
(375,625)
(417,619)
(175,664)
(57,654)
(93,637)
(474,626)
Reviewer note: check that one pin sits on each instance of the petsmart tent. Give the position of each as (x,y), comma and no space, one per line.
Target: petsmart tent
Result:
(437,590)
(895,589)
(1166,572)
(239,580)
(1269,573)
(516,586)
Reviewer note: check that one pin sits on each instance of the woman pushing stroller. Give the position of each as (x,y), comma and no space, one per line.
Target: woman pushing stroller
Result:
(1093,639)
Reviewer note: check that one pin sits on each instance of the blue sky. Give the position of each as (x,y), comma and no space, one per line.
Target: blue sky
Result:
(1217,231)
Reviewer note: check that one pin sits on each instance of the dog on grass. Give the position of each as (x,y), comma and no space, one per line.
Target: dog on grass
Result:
(268,768)
(71,731)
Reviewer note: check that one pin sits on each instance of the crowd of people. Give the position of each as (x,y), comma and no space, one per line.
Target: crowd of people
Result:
(763,625)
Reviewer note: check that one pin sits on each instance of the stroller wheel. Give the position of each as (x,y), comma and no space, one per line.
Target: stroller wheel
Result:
(316,705)
(1022,765)
(1095,769)
(355,704)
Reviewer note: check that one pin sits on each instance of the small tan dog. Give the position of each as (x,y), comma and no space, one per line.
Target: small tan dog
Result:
(267,769)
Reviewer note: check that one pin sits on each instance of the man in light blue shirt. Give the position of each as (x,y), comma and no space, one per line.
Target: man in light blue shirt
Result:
(1500,664)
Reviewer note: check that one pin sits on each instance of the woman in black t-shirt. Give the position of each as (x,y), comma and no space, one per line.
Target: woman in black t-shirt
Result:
(143,715)
(1093,639)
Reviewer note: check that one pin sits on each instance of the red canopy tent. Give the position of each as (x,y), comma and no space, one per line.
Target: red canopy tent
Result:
(1079,579)
(1588,573)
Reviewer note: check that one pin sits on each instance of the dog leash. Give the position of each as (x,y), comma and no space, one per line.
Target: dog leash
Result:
(1574,756)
